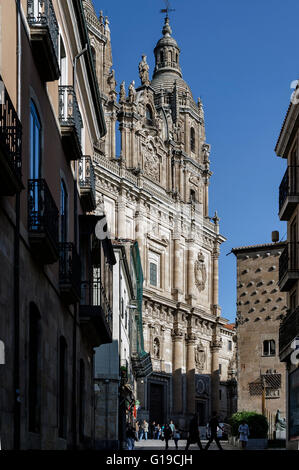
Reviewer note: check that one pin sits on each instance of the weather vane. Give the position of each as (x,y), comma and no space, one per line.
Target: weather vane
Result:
(167,9)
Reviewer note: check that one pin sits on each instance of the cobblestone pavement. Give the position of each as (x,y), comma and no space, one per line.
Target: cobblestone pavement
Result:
(154,444)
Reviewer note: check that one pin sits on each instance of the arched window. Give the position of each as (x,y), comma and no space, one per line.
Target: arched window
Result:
(161,56)
(170,56)
(176,57)
(149,116)
(94,57)
(269,347)
(192,139)
(34,359)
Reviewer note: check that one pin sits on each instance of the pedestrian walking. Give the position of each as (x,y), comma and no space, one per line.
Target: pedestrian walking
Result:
(176,437)
(130,437)
(213,427)
(137,430)
(194,436)
(144,430)
(243,434)
(167,435)
(152,430)
(158,431)
(172,426)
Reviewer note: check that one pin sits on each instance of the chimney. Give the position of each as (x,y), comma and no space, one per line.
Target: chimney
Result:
(275,236)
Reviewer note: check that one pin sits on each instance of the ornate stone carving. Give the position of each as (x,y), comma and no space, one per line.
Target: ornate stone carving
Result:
(151,164)
(200,272)
(156,348)
(200,357)
(122,93)
(132,92)
(111,81)
(143,71)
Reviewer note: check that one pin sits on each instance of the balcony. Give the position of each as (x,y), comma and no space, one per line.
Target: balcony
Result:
(288,267)
(95,313)
(142,365)
(44,34)
(10,146)
(42,222)
(70,122)
(87,184)
(69,273)
(288,192)
(288,331)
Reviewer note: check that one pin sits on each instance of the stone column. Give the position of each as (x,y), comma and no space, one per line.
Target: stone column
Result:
(177,364)
(121,217)
(215,260)
(177,267)
(191,373)
(190,272)
(215,379)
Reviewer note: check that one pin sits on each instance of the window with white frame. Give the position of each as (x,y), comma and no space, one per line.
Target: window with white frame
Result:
(154,269)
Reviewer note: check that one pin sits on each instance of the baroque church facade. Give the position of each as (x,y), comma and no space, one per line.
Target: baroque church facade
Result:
(157,192)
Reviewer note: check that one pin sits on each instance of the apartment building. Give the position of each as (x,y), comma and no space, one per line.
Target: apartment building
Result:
(287,148)
(56,275)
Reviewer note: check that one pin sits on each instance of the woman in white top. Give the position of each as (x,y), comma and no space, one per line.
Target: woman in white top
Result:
(244,433)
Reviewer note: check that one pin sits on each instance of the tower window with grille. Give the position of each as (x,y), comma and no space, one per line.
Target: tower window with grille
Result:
(269,347)
(149,116)
(192,139)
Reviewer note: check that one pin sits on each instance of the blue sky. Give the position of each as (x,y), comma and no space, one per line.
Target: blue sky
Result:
(240,57)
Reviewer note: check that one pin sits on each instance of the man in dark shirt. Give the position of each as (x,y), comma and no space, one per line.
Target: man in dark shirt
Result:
(214,425)
(194,436)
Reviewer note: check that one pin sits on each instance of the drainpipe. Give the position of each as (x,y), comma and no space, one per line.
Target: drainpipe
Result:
(17,404)
(74,381)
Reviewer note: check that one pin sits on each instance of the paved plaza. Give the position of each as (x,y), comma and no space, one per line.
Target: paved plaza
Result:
(155,444)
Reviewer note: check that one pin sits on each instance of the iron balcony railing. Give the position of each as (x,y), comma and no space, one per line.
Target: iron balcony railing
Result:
(288,186)
(93,294)
(69,266)
(10,131)
(86,174)
(43,214)
(126,373)
(41,14)
(69,113)
(288,261)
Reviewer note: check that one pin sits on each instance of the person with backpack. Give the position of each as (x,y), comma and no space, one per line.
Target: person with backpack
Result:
(213,427)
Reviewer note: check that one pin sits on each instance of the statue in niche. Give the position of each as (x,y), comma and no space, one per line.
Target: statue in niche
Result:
(156,348)
(200,357)
(143,71)
(200,272)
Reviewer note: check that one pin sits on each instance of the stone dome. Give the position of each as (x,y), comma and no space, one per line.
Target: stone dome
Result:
(166,80)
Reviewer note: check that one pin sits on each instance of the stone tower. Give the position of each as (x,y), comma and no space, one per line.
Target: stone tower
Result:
(156,192)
